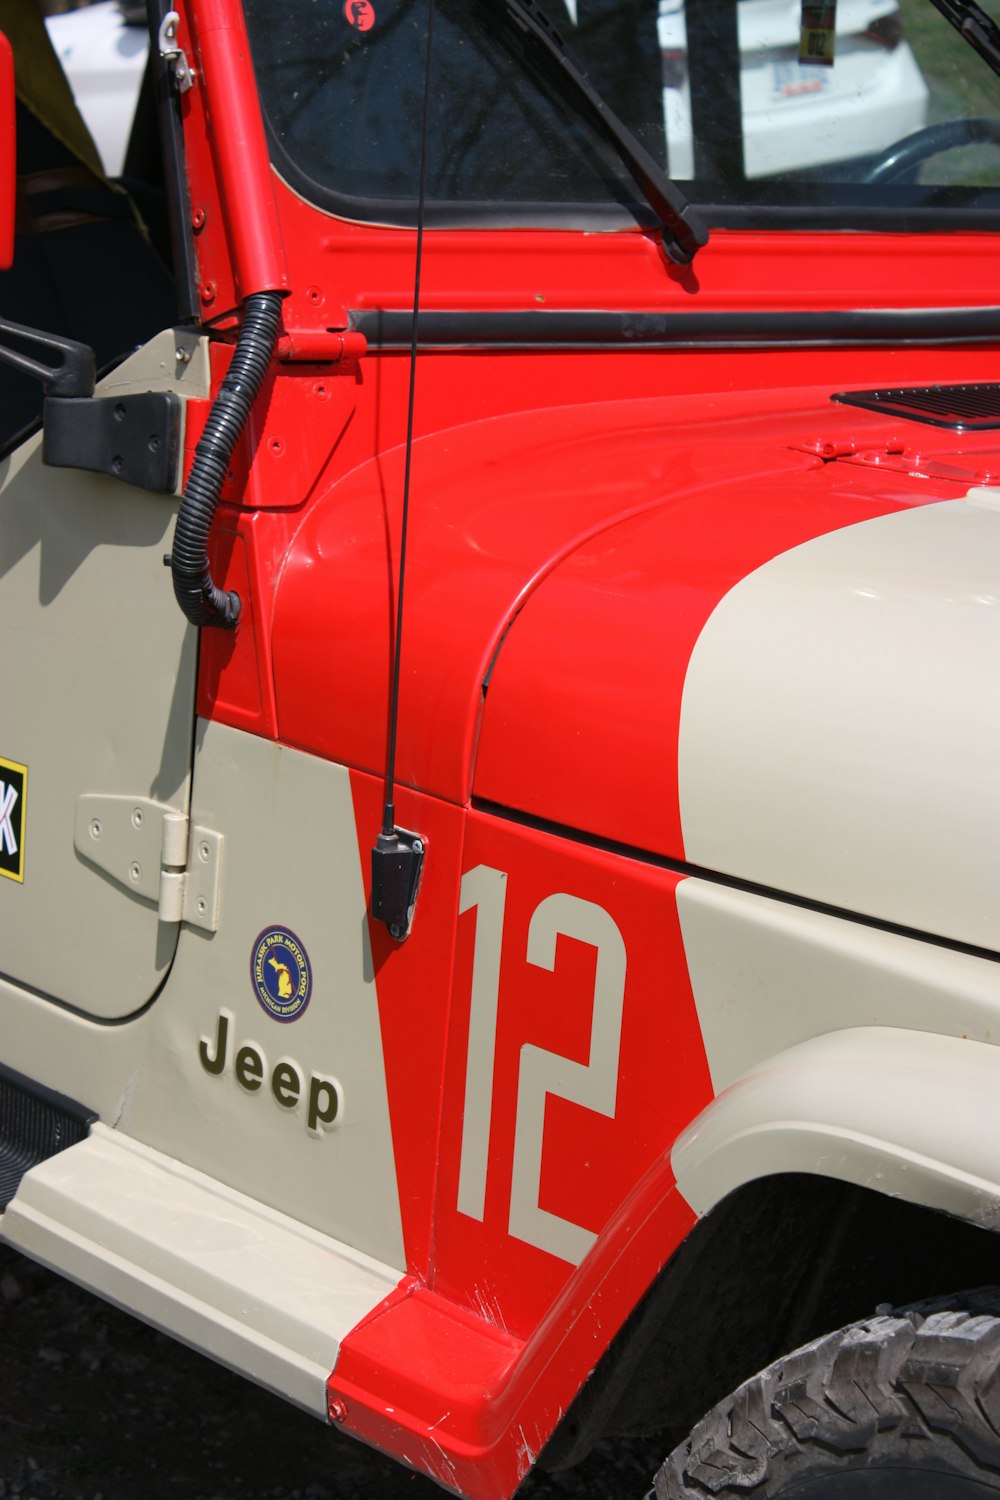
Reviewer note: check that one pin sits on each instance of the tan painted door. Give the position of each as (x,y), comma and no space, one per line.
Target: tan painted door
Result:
(97,674)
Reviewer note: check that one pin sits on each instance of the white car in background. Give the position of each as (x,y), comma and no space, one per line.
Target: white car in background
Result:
(800,115)
(103,50)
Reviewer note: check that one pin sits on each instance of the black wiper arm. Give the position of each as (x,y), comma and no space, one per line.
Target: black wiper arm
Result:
(684,231)
(978,29)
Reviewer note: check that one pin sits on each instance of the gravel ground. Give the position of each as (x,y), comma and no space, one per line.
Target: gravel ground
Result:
(96,1406)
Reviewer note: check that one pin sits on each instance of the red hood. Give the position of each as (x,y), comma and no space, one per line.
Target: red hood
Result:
(568,560)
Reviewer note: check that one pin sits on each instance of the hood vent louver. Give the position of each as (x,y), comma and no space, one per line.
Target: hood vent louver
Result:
(962,408)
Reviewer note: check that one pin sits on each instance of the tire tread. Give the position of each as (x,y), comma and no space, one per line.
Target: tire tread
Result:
(901,1379)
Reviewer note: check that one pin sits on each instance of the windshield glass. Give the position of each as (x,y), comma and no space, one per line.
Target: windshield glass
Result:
(858,112)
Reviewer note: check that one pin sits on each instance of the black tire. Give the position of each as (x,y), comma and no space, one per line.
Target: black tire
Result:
(903,1406)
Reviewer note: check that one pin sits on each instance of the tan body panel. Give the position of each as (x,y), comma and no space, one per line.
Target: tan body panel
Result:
(836,741)
(767,974)
(97,685)
(291,858)
(801,1012)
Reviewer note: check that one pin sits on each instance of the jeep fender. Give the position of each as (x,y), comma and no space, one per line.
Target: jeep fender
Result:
(910,1114)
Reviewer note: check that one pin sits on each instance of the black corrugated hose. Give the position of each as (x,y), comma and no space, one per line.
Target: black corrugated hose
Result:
(197,595)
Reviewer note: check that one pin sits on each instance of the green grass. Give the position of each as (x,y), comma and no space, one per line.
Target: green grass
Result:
(960,82)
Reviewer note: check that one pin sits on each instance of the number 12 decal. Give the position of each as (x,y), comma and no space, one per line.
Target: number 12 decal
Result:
(593,1085)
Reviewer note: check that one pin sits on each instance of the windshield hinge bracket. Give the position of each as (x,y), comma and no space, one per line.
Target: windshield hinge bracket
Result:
(135,437)
(321,346)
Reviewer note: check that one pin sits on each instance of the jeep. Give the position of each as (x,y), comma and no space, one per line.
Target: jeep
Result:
(500,724)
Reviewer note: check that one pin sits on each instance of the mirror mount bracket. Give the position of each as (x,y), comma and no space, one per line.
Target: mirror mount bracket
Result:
(73,375)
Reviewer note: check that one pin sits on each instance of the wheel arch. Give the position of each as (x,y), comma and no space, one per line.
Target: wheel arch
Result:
(778,1262)
(912,1114)
(847,1172)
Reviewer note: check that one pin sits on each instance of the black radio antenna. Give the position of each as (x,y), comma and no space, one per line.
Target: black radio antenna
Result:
(398,854)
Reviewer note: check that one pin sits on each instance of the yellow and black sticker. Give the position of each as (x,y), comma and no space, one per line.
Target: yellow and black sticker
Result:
(13,797)
(817,39)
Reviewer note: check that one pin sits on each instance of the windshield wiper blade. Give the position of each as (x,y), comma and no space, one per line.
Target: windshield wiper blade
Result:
(684,230)
(975,26)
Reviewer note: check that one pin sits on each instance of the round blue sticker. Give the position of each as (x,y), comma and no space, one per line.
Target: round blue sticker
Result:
(281,973)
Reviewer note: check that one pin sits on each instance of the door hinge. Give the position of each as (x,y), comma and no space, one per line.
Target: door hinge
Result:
(153,850)
(135,438)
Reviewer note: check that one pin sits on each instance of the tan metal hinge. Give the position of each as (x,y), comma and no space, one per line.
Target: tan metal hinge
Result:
(152,850)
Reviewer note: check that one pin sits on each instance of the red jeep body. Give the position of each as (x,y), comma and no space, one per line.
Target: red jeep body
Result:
(698,727)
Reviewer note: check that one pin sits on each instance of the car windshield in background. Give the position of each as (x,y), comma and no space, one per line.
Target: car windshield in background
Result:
(761,108)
